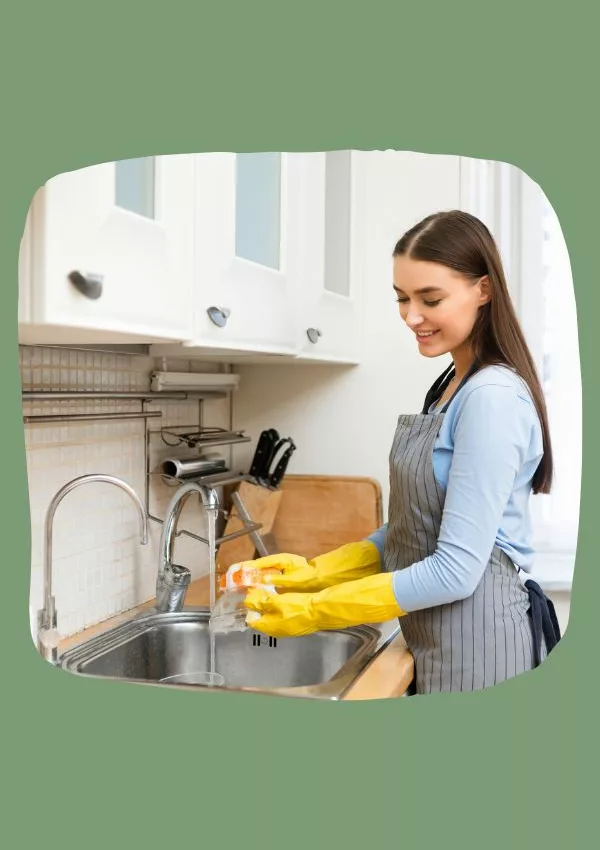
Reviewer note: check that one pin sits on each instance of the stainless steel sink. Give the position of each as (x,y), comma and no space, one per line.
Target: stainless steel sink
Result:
(155,646)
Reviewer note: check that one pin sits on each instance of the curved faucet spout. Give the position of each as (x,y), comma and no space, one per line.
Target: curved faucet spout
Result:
(172,580)
(47,616)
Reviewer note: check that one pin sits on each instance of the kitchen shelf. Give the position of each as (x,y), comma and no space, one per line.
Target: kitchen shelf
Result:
(216,479)
(181,395)
(196,440)
(194,382)
(35,419)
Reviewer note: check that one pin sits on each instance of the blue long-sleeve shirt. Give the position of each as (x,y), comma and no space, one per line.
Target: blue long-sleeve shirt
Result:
(485,455)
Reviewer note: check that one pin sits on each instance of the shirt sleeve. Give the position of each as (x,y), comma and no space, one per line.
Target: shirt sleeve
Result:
(378,538)
(492,433)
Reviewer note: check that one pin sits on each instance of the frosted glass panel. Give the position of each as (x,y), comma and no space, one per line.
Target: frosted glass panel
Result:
(337,222)
(258,208)
(134,185)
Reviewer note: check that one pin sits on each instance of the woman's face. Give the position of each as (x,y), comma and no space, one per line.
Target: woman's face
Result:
(438,304)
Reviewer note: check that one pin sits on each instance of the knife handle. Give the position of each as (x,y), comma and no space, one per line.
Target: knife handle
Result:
(264,453)
(275,451)
(279,471)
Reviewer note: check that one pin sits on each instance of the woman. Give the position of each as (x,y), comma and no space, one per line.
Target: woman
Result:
(461,473)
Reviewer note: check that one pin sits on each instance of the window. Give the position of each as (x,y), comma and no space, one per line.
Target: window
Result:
(258,208)
(536,261)
(552,316)
(135,185)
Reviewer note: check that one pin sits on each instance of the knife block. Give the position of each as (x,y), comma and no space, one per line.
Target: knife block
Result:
(262,505)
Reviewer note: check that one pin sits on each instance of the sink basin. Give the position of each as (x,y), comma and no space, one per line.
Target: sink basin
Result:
(155,646)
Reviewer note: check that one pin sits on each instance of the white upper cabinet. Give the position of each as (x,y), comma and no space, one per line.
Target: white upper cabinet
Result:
(110,254)
(328,256)
(246,218)
(224,255)
(278,256)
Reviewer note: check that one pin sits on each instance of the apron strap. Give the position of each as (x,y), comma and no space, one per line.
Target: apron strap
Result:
(439,386)
(543,620)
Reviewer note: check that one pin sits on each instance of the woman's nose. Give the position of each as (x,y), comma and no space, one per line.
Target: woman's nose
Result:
(413,318)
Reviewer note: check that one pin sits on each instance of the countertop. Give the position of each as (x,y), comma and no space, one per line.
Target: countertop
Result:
(386,677)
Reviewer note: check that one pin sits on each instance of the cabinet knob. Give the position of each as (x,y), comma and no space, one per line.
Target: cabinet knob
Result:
(313,334)
(89,285)
(219,315)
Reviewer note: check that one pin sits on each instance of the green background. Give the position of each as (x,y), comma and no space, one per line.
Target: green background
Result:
(94,763)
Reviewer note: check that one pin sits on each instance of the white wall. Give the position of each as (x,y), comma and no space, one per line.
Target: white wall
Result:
(343,418)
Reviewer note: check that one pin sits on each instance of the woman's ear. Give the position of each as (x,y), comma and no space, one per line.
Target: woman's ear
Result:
(484,290)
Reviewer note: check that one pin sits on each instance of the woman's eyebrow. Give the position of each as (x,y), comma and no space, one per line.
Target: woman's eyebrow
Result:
(422,291)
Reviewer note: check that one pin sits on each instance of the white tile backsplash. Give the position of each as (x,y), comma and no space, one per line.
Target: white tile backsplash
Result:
(99,567)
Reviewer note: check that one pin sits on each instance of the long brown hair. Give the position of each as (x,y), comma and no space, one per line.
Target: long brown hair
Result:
(462,242)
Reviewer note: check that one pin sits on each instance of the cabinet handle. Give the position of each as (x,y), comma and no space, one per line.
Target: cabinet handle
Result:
(219,315)
(89,285)
(313,334)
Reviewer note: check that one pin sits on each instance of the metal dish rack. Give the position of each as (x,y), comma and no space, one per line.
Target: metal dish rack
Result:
(194,436)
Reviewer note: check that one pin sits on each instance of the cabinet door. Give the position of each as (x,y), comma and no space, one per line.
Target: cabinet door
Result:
(244,283)
(328,256)
(112,252)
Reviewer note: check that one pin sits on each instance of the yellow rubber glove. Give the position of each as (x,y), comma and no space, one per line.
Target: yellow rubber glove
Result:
(367,600)
(347,563)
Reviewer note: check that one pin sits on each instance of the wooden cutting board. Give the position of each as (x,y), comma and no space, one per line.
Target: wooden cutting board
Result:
(318,513)
(262,504)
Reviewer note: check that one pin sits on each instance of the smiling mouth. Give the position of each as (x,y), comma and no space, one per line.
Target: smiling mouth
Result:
(425,334)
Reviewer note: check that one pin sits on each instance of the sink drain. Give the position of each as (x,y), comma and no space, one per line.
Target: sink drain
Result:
(259,640)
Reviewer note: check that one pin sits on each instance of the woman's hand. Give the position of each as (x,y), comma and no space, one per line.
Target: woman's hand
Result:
(293,572)
(367,600)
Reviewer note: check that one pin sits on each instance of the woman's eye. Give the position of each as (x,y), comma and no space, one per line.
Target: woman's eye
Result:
(404,300)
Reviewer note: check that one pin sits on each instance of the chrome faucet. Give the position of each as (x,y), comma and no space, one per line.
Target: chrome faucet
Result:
(173,581)
(47,635)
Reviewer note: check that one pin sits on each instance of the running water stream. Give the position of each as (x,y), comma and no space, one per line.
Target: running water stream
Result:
(215,678)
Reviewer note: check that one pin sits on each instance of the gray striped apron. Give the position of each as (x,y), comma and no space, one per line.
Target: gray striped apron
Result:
(472,643)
